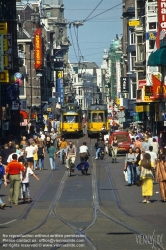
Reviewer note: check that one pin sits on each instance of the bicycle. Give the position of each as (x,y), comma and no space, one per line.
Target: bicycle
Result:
(71,167)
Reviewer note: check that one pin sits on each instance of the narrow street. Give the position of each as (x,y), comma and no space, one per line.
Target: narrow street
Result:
(94,211)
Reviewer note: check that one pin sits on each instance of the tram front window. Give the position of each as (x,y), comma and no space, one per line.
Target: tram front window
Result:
(97,117)
(70,118)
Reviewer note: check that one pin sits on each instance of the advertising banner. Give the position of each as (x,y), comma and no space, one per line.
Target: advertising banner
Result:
(124,82)
(13,92)
(1,54)
(159,89)
(38,48)
(141,83)
(161,22)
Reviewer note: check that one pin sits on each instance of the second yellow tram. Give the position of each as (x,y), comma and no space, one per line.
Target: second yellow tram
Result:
(97,117)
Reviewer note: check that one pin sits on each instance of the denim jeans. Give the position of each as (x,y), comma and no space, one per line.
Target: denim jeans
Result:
(25,190)
(52,163)
(35,164)
(130,174)
(61,152)
(41,163)
(97,151)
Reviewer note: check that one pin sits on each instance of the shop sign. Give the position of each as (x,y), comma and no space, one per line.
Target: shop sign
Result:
(15,105)
(159,89)
(9,52)
(3,28)
(161,15)
(49,109)
(118,101)
(141,83)
(4,76)
(164,123)
(124,84)
(147,98)
(1,54)
(149,91)
(152,35)
(134,22)
(139,109)
(38,48)
(59,74)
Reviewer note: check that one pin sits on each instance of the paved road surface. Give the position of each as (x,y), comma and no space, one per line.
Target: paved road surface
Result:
(97,211)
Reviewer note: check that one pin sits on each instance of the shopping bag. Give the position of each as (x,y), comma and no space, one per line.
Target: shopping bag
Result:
(125,175)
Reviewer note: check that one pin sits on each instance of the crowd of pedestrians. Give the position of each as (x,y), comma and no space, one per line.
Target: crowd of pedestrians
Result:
(145,163)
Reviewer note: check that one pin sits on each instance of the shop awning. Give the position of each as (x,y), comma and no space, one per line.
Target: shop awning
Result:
(24,114)
(157,58)
(151,60)
(160,57)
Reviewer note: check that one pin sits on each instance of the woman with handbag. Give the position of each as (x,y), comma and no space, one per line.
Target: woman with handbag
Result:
(161,177)
(147,177)
(129,166)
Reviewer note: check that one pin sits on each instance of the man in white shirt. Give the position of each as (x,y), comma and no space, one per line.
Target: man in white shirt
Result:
(153,156)
(84,152)
(9,159)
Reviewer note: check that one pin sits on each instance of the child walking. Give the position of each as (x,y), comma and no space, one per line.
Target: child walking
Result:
(25,182)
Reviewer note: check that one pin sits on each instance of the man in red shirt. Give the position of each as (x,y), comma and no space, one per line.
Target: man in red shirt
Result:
(13,170)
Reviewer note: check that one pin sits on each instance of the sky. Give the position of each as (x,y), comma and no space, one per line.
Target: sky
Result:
(96,34)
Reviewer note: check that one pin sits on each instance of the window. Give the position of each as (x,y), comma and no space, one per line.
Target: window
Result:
(151,44)
(79,91)
(132,38)
(22,88)
(133,89)
(152,26)
(132,60)
(80,102)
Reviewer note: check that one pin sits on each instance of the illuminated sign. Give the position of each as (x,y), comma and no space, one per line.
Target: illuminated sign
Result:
(134,22)
(148,90)
(145,97)
(8,51)
(1,54)
(159,89)
(38,48)
(3,28)
(124,81)
(60,74)
(4,76)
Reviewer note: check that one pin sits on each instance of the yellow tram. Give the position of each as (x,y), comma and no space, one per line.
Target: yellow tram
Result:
(97,116)
(71,119)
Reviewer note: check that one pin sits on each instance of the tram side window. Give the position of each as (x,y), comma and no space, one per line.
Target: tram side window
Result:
(94,117)
(100,117)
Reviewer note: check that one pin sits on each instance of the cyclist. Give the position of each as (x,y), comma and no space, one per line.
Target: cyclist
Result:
(70,154)
(84,152)
(63,146)
(99,145)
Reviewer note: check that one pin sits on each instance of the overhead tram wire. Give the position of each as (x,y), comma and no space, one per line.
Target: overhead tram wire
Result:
(79,50)
(73,44)
(92,11)
(105,11)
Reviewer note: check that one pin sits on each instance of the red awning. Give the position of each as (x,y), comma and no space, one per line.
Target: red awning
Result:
(24,113)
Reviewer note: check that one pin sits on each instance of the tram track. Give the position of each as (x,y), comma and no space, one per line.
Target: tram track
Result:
(97,209)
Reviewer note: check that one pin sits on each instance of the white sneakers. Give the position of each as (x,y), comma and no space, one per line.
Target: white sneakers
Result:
(96,158)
